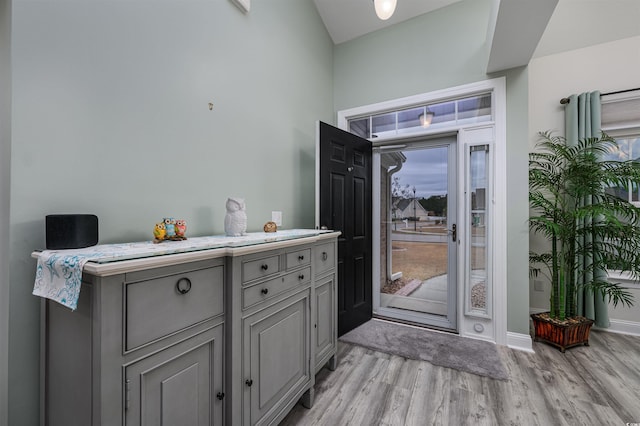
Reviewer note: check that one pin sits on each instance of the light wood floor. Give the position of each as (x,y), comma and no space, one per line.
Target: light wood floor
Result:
(595,385)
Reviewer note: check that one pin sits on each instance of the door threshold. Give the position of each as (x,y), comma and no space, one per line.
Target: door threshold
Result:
(415,324)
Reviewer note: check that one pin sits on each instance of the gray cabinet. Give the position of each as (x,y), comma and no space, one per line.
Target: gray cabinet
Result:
(144,347)
(235,338)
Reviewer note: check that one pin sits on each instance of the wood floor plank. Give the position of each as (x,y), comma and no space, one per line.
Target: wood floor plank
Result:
(396,407)
(594,385)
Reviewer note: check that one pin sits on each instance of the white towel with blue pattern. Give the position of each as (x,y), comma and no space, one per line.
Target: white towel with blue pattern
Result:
(59,277)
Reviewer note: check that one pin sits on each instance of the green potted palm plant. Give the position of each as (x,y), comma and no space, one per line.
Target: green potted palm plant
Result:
(588,227)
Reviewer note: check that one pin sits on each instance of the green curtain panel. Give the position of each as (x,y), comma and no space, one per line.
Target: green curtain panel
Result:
(583,120)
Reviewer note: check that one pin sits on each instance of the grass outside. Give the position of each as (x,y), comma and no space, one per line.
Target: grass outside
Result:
(421,261)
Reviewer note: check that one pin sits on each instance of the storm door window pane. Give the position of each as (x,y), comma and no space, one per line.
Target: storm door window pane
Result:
(478,255)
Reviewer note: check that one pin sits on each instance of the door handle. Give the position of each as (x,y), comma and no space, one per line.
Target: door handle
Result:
(453,232)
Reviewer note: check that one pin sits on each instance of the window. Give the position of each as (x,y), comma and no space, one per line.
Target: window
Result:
(456,112)
(621,120)
(478,186)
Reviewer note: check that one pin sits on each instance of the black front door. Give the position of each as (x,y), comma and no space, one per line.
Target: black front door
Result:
(345,205)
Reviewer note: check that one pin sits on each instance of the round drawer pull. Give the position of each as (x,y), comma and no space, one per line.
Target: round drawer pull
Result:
(220,396)
(301,277)
(265,267)
(301,258)
(183,285)
(324,255)
(248,382)
(265,291)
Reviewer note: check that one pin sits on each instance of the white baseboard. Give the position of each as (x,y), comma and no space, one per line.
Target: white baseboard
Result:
(519,341)
(623,327)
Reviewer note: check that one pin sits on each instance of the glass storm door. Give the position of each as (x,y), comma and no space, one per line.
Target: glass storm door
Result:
(418,233)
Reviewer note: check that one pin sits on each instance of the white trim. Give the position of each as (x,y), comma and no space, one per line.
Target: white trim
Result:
(520,342)
(619,97)
(499,263)
(375,231)
(631,328)
(624,278)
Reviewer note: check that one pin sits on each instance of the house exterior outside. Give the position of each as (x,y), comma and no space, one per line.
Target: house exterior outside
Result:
(409,208)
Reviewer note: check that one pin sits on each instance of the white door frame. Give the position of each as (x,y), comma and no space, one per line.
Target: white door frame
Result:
(492,327)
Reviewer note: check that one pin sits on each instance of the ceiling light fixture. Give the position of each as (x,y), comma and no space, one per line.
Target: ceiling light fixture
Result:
(384,8)
(425,118)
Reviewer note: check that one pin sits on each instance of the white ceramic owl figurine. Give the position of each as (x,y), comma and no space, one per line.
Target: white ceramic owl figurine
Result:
(235,221)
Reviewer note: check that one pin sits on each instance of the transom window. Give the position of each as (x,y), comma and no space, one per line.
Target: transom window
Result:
(469,110)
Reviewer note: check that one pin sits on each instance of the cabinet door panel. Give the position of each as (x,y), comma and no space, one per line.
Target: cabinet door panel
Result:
(325,321)
(278,354)
(177,386)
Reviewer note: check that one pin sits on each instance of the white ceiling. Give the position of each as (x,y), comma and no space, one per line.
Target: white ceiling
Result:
(580,23)
(523,28)
(349,19)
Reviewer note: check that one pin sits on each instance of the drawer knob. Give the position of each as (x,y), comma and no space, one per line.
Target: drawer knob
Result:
(324,255)
(301,277)
(301,257)
(183,285)
(248,382)
(220,396)
(265,290)
(264,266)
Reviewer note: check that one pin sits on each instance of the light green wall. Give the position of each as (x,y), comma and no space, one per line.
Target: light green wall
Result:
(434,51)
(111,117)
(517,201)
(439,50)
(5,193)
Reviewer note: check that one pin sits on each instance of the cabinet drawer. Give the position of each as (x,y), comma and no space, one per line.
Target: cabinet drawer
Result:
(260,268)
(298,258)
(258,293)
(161,306)
(325,257)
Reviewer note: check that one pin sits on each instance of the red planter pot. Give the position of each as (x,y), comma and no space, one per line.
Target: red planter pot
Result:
(562,334)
